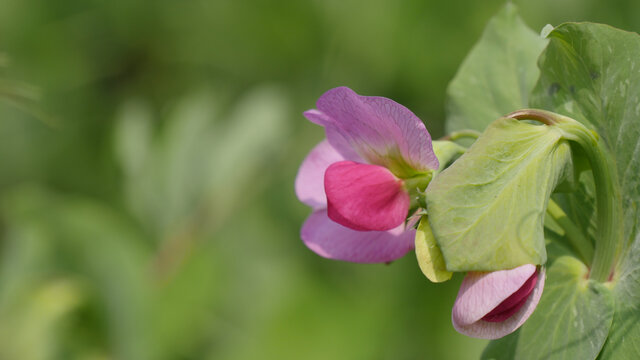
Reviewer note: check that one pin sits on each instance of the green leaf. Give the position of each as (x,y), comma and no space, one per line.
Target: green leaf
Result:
(590,72)
(503,348)
(623,338)
(497,76)
(572,319)
(493,198)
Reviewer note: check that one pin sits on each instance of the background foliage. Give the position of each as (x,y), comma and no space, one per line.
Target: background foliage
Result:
(147,158)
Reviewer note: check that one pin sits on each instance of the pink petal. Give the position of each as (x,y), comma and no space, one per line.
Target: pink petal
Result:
(310,179)
(365,197)
(481,292)
(376,129)
(334,241)
(514,302)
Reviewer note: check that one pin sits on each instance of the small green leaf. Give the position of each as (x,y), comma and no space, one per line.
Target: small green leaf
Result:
(487,209)
(429,255)
(497,76)
(572,319)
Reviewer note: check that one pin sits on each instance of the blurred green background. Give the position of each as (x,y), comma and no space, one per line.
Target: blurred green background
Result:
(147,157)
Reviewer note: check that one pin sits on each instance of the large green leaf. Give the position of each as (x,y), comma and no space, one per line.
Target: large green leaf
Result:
(497,76)
(493,198)
(572,319)
(590,72)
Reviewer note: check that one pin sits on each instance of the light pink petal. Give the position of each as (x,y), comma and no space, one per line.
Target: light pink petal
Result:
(338,141)
(365,197)
(334,241)
(482,292)
(310,179)
(378,129)
(514,302)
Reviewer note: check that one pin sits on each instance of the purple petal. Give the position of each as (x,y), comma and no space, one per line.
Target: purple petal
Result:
(334,241)
(310,179)
(365,197)
(480,293)
(377,129)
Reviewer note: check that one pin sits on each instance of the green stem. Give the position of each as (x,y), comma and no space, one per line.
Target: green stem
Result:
(581,245)
(472,134)
(608,199)
(609,237)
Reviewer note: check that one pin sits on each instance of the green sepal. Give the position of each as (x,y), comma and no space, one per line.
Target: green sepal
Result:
(487,209)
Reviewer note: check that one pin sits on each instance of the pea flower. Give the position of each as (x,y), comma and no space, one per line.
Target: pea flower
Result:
(361,179)
(491,305)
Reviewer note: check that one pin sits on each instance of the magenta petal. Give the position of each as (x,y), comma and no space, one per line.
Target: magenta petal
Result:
(365,197)
(480,293)
(378,129)
(334,241)
(310,179)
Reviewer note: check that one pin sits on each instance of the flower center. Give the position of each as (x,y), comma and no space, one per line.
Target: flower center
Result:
(513,303)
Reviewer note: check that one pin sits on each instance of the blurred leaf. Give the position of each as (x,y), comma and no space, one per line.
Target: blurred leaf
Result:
(24,97)
(102,247)
(133,137)
(34,304)
(164,174)
(497,76)
(199,166)
(31,329)
(183,183)
(247,147)
(186,302)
